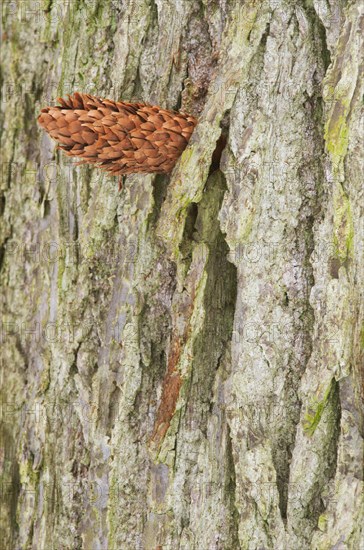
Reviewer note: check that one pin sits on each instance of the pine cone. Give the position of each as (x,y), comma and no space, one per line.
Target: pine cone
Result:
(122,138)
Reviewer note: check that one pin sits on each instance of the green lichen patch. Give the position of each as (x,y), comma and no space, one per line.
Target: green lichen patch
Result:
(362,336)
(337,133)
(322,522)
(343,224)
(315,411)
(28,476)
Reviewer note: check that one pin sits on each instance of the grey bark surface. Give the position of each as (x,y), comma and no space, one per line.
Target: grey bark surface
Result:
(182,361)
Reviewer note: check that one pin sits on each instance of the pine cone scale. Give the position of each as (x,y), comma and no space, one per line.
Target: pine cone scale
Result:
(121,137)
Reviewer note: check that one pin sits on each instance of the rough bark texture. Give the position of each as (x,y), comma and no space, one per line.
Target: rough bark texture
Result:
(182,361)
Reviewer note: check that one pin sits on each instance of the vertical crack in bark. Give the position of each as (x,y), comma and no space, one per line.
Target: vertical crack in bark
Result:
(232,493)
(10,487)
(171,388)
(159,194)
(210,360)
(187,244)
(172,382)
(220,290)
(309,211)
(202,61)
(122,48)
(285,442)
(330,417)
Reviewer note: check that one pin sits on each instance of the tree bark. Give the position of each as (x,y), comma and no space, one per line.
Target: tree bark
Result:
(182,361)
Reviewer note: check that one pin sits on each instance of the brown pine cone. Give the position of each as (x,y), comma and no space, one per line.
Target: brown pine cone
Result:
(122,138)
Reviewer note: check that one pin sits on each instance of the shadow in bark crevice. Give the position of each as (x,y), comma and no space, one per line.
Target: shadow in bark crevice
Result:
(204,410)
(160,184)
(10,488)
(188,240)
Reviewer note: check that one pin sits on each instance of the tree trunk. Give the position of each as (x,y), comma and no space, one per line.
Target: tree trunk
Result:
(182,360)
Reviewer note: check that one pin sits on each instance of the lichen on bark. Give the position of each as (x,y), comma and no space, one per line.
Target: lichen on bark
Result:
(182,361)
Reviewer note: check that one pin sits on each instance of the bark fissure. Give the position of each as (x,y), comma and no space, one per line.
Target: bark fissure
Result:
(215,312)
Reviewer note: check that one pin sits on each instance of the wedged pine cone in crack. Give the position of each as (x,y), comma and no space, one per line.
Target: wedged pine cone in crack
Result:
(122,138)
